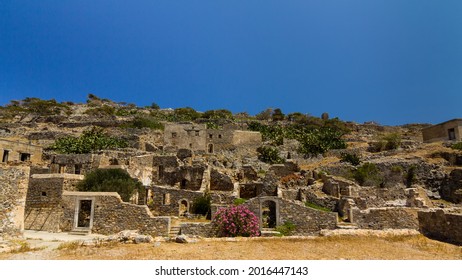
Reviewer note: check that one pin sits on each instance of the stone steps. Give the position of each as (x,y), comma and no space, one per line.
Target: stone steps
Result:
(269,232)
(347,226)
(174,231)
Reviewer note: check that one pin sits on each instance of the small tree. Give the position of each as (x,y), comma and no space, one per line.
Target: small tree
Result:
(277,115)
(202,205)
(110,180)
(235,221)
(269,155)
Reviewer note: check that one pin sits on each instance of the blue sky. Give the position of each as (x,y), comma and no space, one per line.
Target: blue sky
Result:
(390,61)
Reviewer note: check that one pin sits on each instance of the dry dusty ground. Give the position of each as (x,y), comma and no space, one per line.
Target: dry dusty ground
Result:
(357,247)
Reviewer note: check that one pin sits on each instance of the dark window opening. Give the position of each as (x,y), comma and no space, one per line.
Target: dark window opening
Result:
(44,193)
(78,169)
(219,136)
(210,148)
(210,136)
(160,172)
(197,133)
(190,145)
(113,161)
(184,183)
(25,157)
(174,134)
(5,155)
(452,134)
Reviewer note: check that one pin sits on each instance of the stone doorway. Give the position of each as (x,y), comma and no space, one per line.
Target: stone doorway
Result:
(268,214)
(83,218)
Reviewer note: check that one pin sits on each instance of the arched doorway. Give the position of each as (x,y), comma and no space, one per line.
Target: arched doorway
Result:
(183,207)
(268,214)
(210,148)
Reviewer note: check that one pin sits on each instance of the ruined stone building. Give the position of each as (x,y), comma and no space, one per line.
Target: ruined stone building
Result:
(446,131)
(15,151)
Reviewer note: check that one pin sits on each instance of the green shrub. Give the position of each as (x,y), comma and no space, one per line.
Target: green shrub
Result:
(146,122)
(317,207)
(392,141)
(411,175)
(353,159)
(218,114)
(286,229)
(202,205)
(457,146)
(90,141)
(269,155)
(367,174)
(101,111)
(239,201)
(110,180)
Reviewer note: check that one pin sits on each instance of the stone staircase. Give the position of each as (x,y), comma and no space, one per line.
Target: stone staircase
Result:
(265,232)
(343,225)
(174,231)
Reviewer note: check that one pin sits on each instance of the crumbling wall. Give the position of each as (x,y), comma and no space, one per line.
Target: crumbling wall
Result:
(197,229)
(307,221)
(44,200)
(13,151)
(166,201)
(442,225)
(112,215)
(13,188)
(386,218)
(75,163)
(220,181)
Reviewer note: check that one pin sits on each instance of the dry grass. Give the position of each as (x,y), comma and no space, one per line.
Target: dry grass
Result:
(415,247)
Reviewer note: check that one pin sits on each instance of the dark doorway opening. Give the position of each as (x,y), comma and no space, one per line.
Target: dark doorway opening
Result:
(452,134)
(84,217)
(268,215)
(5,155)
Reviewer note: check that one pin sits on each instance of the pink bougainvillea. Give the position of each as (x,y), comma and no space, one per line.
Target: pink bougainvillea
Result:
(236,221)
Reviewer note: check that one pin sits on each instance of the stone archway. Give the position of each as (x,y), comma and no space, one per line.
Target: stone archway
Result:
(269,213)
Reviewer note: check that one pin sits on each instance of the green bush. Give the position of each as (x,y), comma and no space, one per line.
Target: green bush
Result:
(90,141)
(411,175)
(239,201)
(110,180)
(202,205)
(218,114)
(317,207)
(269,155)
(367,174)
(146,122)
(457,146)
(353,159)
(392,141)
(286,229)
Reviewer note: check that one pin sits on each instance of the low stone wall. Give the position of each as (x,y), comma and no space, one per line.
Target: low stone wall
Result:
(165,201)
(386,218)
(13,188)
(307,221)
(112,215)
(197,229)
(441,225)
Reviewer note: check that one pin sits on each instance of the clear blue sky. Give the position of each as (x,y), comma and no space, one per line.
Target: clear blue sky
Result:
(390,61)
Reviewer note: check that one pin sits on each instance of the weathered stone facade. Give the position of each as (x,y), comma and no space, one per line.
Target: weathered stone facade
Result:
(197,229)
(168,201)
(386,218)
(442,225)
(44,200)
(74,164)
(307,221)
(13,188)
(14,151)
(111,215)
(185,136)
(450,130)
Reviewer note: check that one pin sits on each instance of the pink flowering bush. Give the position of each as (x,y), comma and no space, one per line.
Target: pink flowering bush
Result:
(236,221)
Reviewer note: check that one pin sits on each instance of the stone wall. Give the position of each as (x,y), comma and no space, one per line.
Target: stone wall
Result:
(386,218)
(439,132)
(43,209)
(13,188)
(220,181)
(112,215)
(13,151)
(442,225)
(75,163)
(197,229)
(185,136)
(167,201)
(308,221)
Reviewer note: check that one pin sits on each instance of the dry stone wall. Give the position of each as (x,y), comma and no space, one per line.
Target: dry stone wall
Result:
(13,188)
(112,215)
(441,224)
(386,218)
